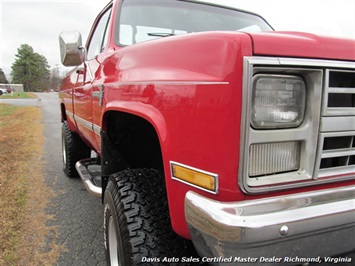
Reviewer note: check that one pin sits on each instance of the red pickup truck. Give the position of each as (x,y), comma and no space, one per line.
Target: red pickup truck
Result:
(211,128)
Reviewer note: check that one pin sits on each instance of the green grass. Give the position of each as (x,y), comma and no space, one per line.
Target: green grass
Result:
(6,109)
(18,95)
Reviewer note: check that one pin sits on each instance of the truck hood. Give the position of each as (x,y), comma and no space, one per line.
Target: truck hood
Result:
(303,45)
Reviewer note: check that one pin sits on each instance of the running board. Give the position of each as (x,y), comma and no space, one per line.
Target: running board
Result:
(88,176)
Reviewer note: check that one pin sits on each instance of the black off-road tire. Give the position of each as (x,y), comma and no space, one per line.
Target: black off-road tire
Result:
(73,150)
(137,228)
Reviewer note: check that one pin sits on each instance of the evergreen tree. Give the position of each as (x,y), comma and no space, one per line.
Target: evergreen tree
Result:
(30,69)
(55,79)
(3,79)
(43,72)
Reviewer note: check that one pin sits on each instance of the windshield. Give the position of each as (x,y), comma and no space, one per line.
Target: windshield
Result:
(143,20)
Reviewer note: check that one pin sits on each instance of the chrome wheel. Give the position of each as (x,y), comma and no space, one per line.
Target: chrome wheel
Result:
(73,150)
(64,151)
(113,244)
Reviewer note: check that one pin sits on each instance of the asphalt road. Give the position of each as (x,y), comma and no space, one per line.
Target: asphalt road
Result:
(77,214)
(22,102)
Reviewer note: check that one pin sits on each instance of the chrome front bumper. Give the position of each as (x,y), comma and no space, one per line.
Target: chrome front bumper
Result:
(305,225)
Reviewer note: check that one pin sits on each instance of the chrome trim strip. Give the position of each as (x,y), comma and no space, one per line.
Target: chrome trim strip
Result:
(220,228)
(340,111)
(317,63)
(341,90)
(70,114)
(334,124)
(197,170)
(338,153)
(298,62)
(345,173)
(96,129)
(83,122)
(88,125)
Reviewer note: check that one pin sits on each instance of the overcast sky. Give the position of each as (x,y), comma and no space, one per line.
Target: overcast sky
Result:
(38,23)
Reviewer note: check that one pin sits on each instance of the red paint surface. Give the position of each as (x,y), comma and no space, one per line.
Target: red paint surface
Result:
(190,89)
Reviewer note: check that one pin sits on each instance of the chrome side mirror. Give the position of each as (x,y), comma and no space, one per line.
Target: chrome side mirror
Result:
(72,53)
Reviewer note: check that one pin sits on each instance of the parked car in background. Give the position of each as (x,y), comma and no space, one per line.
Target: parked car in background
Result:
(3,90)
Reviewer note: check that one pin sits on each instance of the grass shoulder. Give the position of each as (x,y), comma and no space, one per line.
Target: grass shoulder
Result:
(24,195)
(18,95)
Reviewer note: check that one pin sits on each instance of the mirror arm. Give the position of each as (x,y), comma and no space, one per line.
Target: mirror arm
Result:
(85,52)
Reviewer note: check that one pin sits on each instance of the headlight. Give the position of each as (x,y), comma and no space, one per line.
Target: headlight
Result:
(278,101)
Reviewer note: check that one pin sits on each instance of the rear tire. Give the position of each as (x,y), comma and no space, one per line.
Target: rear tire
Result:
(136,221)
(73,150)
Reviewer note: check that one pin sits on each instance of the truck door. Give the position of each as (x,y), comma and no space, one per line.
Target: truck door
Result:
(93,83)
(82,104)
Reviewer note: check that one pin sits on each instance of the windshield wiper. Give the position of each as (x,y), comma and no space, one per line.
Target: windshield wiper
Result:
(158,34)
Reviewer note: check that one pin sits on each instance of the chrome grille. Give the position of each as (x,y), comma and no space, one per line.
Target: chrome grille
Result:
(338,152)
(337,137)
(339,93)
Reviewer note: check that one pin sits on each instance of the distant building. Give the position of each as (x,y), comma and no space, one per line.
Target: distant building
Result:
(13,87)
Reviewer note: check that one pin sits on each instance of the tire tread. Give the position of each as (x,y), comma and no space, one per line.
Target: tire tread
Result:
(76,150)
(142,208)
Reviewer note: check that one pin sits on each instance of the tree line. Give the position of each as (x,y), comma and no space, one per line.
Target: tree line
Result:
(32,70)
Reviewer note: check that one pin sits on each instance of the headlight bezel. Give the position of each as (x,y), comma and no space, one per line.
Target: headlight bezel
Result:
(306,133)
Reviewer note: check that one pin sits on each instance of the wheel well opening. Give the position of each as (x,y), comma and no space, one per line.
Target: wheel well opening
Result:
(135,140)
